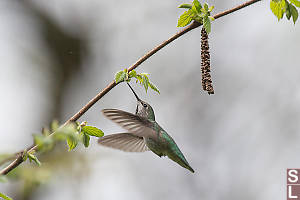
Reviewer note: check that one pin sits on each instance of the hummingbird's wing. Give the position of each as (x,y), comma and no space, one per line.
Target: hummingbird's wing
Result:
(125,142)
(135,124)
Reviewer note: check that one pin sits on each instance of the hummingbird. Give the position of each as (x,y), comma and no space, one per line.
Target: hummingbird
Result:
(144,133)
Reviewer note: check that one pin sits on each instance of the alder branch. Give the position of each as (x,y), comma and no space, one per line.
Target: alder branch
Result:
(19,157)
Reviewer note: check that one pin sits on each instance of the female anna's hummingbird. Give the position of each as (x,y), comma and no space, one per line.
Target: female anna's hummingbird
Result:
(144,133)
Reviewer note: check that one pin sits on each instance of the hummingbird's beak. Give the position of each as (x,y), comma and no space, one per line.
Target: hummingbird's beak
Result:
(134,93)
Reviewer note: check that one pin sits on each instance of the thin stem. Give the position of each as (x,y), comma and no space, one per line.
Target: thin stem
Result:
(110,86)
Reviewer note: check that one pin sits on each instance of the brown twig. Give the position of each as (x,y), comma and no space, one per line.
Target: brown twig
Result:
(110,86)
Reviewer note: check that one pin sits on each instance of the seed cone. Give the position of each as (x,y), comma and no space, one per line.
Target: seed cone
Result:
(205,63)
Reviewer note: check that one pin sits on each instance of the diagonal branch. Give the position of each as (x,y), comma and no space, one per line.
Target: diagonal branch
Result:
(19,158)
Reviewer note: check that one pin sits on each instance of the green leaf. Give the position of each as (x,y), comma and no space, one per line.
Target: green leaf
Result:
(120,76)
(59,136)
(3,196)
(44,143)
(92,131)
(132,73)
(54,125)
(72,142)
(33,158)
(211,18)
(197,5)
(288,13)
(211,8)
(296,3)
(86,139)
(205,6)
(207,24)
(139,78)
(126,77)
(145,74)
(194,10)
(294,13)
(145,83)
(71,135)
(185,5)
(278,8)
(25,155)
(185,18)
(198,18)
(153,87)
(64,132)
(274,8)
(46,131)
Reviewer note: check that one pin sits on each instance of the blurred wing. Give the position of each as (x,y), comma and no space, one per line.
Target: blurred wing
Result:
(136,125)
(125,142)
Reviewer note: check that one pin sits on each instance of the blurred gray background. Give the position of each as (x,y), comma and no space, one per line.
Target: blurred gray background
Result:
(56,55)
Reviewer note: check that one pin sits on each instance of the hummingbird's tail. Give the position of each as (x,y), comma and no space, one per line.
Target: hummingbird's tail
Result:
(190,168)
(180,159)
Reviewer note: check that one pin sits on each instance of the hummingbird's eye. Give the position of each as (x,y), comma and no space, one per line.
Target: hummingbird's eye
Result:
(145,105)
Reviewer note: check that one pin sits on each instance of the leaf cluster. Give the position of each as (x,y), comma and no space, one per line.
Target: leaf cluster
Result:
(198,13)
(72,133)
(287,7)
(142,78)
(32,158)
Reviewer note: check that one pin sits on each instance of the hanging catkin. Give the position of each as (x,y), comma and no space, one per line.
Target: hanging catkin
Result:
(205,63)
